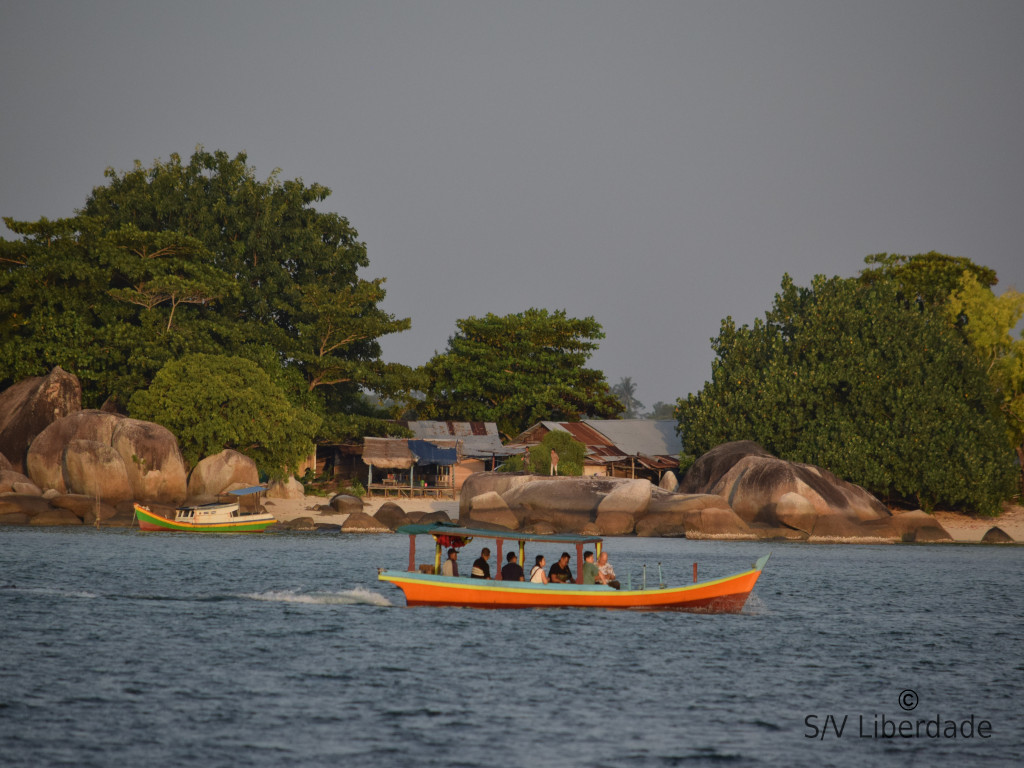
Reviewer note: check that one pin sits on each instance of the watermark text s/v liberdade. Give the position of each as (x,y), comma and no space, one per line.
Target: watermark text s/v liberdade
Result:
(882,726)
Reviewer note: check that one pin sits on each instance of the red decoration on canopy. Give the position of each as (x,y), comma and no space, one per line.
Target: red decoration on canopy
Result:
(457,542)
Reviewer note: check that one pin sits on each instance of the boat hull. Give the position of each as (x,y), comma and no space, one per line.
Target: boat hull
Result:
(151,521)
(726,595)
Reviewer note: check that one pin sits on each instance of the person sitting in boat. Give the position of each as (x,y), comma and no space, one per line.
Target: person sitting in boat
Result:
(606,574)
(512,571)
(451,565)
(537,575)
(591,574)
(560,573)
(481,568)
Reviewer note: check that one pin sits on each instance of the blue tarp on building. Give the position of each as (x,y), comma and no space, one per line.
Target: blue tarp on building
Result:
(428,453)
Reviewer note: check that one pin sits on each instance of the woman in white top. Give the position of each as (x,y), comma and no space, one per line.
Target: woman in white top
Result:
(538,574)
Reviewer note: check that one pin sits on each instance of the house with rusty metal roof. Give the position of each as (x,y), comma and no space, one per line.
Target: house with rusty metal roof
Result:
(617,447)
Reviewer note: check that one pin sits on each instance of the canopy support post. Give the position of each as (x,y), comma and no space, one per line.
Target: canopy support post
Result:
(579,563)
(412,553)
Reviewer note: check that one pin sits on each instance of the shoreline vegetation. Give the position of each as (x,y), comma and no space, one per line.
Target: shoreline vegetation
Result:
(963,528)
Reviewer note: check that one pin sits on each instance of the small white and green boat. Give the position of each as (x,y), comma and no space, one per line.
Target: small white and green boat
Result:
(226,517)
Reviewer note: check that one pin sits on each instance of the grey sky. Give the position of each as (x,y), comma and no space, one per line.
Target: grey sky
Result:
(658,165)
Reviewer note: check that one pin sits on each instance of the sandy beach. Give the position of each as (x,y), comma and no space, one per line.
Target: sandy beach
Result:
(962,528)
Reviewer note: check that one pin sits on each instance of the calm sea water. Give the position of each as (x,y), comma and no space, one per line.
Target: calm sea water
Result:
(120,648)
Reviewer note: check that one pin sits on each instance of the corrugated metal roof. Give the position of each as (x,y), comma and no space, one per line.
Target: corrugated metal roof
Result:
(640,436)
(428,430)
(654,443)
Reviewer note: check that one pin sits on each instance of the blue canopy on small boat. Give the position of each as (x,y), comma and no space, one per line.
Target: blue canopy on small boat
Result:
(428,453)
(248,491)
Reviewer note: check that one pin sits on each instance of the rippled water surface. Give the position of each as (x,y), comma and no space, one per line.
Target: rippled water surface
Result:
(121,648)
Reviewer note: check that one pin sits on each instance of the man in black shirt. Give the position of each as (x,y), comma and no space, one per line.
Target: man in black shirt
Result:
(560,573)
(481,568)
(512,570)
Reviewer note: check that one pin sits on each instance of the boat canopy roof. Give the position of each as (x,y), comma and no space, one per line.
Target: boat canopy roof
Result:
(442,529)
(248,491)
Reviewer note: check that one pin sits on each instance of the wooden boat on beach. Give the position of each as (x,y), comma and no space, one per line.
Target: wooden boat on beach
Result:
(426,585)
(227,517)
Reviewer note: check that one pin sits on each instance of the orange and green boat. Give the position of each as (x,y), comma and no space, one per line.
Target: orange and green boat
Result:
(228,517)
(426,586)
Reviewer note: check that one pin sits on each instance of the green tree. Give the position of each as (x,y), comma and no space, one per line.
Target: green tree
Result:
(201,257)
(625,391)
(517,370)
(570,454)
(988,321)
(927,277)
(213,402)
(853,377)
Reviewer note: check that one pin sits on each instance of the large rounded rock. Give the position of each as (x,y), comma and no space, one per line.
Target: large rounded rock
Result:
(632,496)
(5,464)
(796,512)
(30,406)
(345,504)
(567,504)
(97,470)
(919,526)
(285,489)
(490,509)
(55,516)
(669,482)
(753,481)
(392,515)
(684,502)
(360,522)
(85,508)
(615,523)
(15,482)
(996,535)
(216,474)
(148,455)
(480,483)
(156,468)
(28,505)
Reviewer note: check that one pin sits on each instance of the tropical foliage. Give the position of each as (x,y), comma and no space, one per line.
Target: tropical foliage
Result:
(517,370)
(570,454)
(202,258)
(213,402)
(858,377)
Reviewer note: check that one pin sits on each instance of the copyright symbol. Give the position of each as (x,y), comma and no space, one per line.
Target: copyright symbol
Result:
(908,699)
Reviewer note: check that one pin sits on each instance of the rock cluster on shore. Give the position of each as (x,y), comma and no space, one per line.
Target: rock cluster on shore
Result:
(736,491)
(61,465)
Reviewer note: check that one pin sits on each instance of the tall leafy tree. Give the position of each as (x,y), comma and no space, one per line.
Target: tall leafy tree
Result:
(518,369)
(856,378)
(201,257)
(926,277)
(989,322)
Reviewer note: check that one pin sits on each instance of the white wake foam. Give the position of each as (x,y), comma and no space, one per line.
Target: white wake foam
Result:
(357,596)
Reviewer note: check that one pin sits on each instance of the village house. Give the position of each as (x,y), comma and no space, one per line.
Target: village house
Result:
(616,447)
(434,462)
